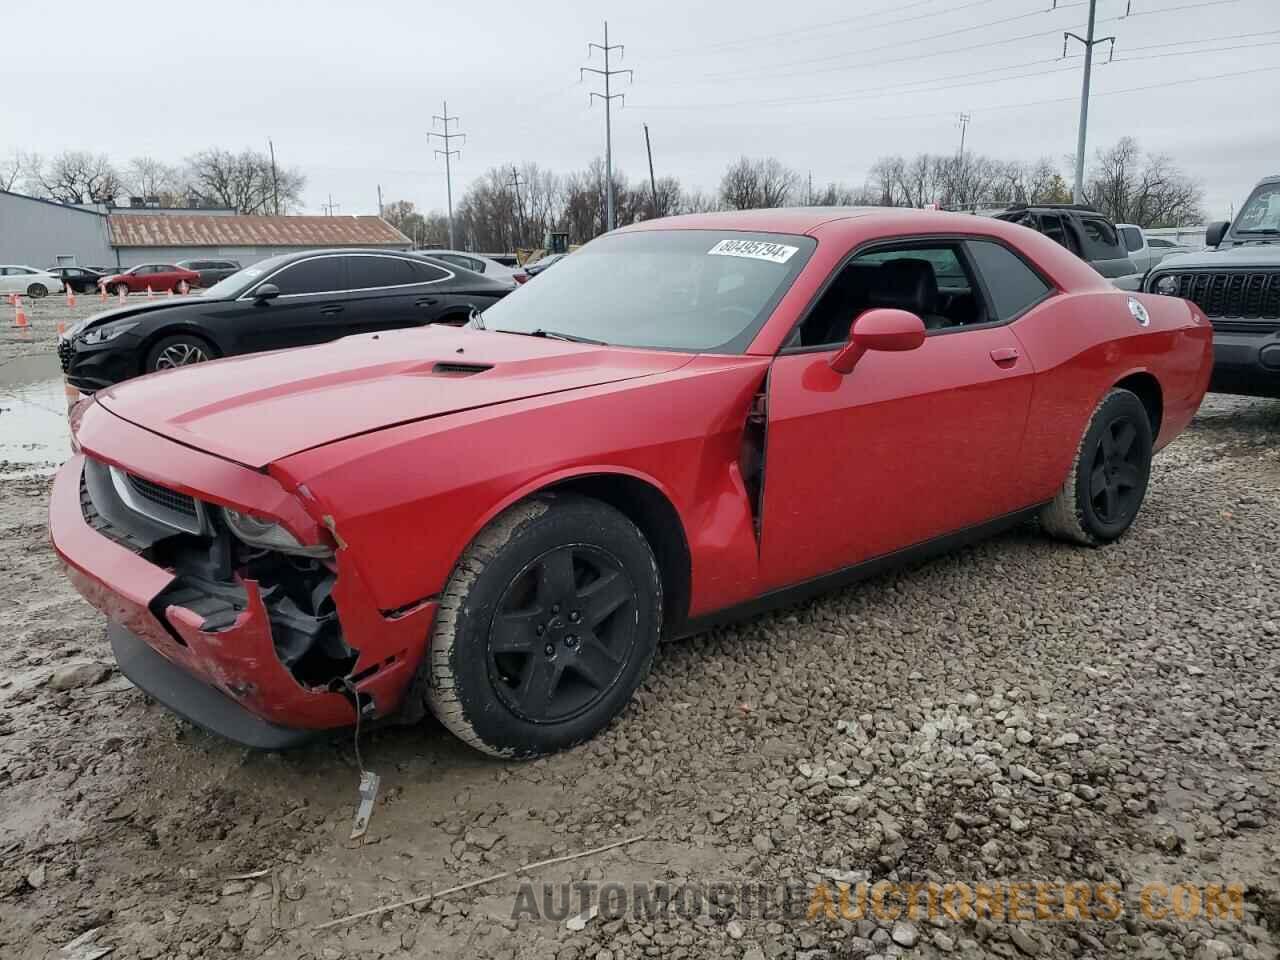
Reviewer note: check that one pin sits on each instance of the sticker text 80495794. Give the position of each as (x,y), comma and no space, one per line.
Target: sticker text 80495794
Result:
(755,249)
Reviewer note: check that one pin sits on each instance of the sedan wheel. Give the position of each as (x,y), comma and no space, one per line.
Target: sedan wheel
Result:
(178,351)
(548,624)
(1108,480)
(122,289)
(37,290)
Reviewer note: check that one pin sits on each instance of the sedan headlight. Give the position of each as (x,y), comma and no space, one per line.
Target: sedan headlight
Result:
(108,331)
(268,534)
(1167,285)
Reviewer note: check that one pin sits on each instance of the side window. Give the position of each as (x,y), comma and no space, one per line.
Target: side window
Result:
(425,272)
(319,275)
(476,265)
(1100,240)
(1014,286)
(1051,227)
(1132,238)
(452,259)
(364,273)
(929,280)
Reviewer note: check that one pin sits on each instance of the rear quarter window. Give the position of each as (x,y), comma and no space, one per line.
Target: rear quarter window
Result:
(1100,240)
(1013,285)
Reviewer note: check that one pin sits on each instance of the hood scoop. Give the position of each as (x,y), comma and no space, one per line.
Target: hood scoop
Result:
(454,369)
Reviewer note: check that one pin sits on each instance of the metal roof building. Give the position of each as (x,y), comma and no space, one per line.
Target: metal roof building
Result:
(41,233)
(163,238)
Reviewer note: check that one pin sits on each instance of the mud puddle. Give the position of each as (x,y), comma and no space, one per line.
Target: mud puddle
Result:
(34,435)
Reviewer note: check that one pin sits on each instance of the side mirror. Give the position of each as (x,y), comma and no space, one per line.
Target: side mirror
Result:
(267,291)
(1216,232)
(879,329)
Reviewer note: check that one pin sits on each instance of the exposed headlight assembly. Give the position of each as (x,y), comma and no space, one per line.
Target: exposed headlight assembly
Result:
(1167,285)
(108,331)
(268,534)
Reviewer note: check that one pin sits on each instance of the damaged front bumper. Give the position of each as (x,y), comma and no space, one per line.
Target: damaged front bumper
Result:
(264,650)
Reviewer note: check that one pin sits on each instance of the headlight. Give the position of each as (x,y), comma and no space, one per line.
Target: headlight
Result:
(1168,285)
(108,331)
(266,533)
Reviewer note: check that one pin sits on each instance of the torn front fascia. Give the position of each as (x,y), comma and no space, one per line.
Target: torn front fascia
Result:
(211,575)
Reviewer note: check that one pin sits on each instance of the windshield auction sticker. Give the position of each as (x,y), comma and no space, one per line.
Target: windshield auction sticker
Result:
(755,249)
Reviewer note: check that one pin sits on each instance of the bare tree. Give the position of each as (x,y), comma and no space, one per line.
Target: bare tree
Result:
(77,176)
(18,169)
(150,178)
(244,181)
(1131,186)
(751,184)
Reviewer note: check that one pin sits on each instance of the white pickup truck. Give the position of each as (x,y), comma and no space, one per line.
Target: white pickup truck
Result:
(1144,251)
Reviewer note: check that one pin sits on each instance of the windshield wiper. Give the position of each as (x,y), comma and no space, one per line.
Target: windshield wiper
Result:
(556,335)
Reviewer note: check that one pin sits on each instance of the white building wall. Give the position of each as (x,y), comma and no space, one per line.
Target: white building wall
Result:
(39,233)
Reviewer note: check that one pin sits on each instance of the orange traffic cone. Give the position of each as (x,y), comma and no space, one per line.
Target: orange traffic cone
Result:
(62,328)
(71,295)
(20,321)
(169,292)
(149,293)
(122,293)
(11,299)
(102,292)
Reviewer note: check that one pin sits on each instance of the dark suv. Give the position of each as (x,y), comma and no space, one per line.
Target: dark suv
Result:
(211,270)
(1086,233)
(1236,282)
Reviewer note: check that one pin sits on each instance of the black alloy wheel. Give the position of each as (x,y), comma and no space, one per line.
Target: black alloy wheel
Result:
(1116,473)
(563,631)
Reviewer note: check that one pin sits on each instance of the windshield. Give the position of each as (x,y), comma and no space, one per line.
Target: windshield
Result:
(694,290)
(1261,214)
(244,278)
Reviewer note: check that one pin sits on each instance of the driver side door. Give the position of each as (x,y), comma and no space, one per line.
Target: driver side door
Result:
(905,449)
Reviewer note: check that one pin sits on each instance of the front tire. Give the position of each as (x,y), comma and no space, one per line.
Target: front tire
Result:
(1108,479)
(547,626)
(122,290)
(37,290)
(180,350)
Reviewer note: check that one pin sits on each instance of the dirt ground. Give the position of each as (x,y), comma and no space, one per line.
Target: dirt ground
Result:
(1018,711)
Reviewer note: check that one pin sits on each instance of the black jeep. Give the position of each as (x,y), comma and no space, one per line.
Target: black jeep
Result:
(1236,282)
(1086,233)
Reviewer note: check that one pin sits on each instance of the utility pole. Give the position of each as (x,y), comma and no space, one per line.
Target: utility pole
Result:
(653,184)
(329,207)
(964,126)
(808,202)
(1089,42)
(379,200)
(448,153)
(519,218)
(275,190)
(608,99)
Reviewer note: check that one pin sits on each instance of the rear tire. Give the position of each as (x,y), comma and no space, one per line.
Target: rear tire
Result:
(547,626)
(1108,479)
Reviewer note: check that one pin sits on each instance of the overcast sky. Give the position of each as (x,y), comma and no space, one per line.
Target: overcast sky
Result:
(346,90)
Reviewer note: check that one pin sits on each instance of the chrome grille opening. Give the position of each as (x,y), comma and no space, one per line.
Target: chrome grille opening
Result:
(163,495)
(159,503)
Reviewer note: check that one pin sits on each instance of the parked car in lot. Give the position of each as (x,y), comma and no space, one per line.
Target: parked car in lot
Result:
(156,277)
(285,301)
(1086,233)
(1236,282)
(1144,251)
(79,279)
(477,264)
(535,268)
(28,281)
(210,271)
(499,522)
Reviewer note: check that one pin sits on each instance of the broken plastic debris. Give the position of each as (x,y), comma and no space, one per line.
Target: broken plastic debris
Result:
(580,921)
(368,793)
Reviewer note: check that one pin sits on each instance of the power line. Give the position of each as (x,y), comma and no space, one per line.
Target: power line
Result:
(843,21)
(608,99)
(448,153)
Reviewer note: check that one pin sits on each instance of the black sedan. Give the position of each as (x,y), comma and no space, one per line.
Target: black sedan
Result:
(291,300)
(79,279)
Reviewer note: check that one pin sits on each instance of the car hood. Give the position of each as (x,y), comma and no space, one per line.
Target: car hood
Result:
(132,310)
(1251,255)
(260,408)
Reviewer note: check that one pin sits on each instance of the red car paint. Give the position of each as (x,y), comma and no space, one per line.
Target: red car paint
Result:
(158,277)
(368,445)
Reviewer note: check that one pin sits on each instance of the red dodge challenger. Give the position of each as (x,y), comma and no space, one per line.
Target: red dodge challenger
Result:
(687,420)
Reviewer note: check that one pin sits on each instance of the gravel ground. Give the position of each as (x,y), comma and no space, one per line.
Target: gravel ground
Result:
(1018,711)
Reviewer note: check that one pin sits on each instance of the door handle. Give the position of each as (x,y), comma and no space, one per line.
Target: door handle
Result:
(426,302)
(331,310)
(1005,356)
